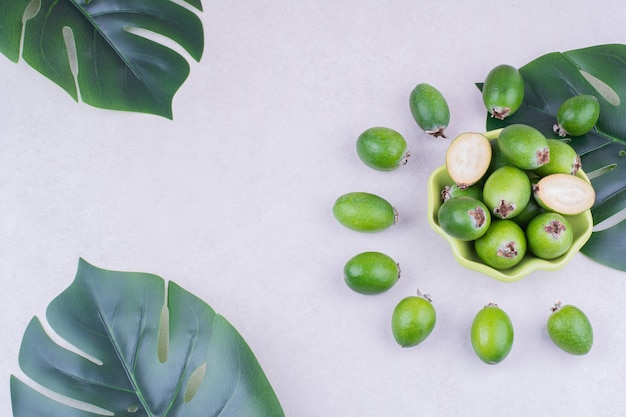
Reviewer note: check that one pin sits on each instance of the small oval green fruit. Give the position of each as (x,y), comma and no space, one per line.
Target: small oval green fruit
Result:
(507,191)
(549,235)
(563,159)
(523,145)
(382,148)
(429,109)
(371,272)
(364,212)
(492,334)
(570,329)
(531,210)
(498,159)
(503,91)
(564,194)
(577,115)
(503,245)
(413,320)
(464,218)
(468,158)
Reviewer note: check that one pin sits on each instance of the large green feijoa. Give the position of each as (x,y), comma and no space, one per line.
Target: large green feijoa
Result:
(364,212)
(464,218)
(570,329)
(429,109)
(577,115)
(147,348)
(371,272)
(492,334)
(413,320)
(503,245)
(503,91)
(563,159)
(523,145)
(549,235)
(382,148)
(506,192)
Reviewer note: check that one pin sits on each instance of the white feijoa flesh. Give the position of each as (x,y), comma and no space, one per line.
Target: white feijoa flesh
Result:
(564,193)
(468,158)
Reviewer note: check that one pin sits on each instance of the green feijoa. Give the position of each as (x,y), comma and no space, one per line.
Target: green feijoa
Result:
(492,334)
(549,235)
(451,191)
(413,320)
(507,191)
(523,145)
(382,148)
(564,194)
(464,218)
(371,272)
(563,159)
(531,210)
(467,158)
(503,245)
(429,109)
(570,329)
(364,212)
(577,115)
(503,91)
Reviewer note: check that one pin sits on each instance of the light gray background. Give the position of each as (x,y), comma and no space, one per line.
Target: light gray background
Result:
(232,200)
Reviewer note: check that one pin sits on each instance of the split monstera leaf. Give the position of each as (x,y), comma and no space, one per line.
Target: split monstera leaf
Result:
(600,71)
(103,52)
(138,347)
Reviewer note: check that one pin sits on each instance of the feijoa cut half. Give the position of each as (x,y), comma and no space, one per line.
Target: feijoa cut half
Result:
(492,334)
(468,158)
(570,329)
(382,148)
(364,212)
(429,109)
(503,91)
(577,115)
(564,193)
(413,320)
(371,272)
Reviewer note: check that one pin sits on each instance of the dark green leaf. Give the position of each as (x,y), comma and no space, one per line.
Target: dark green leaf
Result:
(136,357)
(601,71)
(95,49)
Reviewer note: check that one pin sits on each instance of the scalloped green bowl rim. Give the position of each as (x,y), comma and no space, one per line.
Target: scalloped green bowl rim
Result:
(465,254)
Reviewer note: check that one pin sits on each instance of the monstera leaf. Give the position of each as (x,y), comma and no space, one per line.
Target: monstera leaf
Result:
(134,351)
(601,71)
(105,52)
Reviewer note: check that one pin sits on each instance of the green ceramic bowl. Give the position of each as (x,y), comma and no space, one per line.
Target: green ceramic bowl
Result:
(465,254)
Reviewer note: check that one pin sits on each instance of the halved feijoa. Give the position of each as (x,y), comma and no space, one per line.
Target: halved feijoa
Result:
(467,158)
(525,146)
(564,194)
(464,218)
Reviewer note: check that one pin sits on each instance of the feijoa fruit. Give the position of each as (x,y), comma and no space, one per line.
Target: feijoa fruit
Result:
(563,159)
(468,158)
(364,212)
(503,245)
(503,91)
(382,148)
(570,329)
(549,235)
(525,146)
(464,218)
(371,272)
(451,191)
(507,191)
(564,194)
(492,334)
(413,320)
(429,109)
(577,115)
